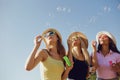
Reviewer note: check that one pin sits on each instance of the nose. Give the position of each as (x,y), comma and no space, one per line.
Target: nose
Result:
(102,37)
(75,40)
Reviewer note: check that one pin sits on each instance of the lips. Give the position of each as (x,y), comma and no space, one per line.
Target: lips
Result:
(74,42)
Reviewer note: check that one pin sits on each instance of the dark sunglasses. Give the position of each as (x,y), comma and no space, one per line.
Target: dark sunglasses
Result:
(75,38)
(51,33)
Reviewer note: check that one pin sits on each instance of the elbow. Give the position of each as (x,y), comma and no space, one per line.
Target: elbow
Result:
(28,68)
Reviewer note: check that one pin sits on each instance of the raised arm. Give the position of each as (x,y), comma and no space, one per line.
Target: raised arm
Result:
(94,54)
(68,68)
(36,56)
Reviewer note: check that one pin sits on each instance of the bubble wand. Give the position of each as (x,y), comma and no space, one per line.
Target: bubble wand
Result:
(67,60)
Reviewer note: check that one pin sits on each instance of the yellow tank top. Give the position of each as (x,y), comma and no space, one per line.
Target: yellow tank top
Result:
(51,69)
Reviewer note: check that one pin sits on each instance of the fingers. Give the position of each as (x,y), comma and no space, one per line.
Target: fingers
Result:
(94,43)
(115,67)
(70,67)
(38,40)
(38,36)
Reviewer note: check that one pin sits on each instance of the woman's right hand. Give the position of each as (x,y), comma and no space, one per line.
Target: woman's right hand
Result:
(37,40)
(94,44)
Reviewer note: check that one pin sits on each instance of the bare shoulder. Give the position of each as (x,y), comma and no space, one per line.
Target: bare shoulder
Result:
(42,53)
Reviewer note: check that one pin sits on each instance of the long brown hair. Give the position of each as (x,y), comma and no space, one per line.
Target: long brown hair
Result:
(112,46)
(60,48)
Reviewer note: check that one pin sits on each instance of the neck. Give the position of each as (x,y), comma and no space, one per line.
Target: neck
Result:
(105,49)
(52,48)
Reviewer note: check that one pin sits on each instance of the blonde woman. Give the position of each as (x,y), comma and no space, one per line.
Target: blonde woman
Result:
(78,55)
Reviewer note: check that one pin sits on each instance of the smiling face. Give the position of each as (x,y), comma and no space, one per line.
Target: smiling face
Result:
(103,39)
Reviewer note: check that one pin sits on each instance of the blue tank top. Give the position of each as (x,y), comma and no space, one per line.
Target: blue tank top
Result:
(79,71)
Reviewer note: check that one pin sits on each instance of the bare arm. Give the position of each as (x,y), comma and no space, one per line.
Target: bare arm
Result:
(35,57)
(69,53)
(94,55)
(68,68)
(66,72)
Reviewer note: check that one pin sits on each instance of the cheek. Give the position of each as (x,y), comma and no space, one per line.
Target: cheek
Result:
(106,40)
(55,38)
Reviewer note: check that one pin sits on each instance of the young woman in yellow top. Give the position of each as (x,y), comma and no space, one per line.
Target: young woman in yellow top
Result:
(51,58)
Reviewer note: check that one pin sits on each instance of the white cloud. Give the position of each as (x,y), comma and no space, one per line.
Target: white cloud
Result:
(107,9)
(118,6)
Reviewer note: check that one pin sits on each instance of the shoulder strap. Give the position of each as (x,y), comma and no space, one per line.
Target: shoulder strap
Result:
(46,51)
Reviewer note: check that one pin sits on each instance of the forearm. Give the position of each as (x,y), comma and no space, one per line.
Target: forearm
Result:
(31,59)
(94,59)
(65,74)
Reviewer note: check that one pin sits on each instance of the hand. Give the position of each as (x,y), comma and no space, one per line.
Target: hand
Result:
(38,40)
(116,66)
(69,67)
(82,44)
(94,44)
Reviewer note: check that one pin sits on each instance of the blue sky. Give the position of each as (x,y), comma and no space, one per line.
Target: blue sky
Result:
(22,20)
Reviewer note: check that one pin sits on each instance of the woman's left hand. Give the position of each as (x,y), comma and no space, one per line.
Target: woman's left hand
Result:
(116,67)
(69,67)
(82,44)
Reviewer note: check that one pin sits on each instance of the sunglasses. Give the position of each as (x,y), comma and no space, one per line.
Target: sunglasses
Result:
(75,38)
(51,33)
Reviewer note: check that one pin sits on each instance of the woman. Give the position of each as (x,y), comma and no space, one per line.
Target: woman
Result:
(51,58)
(78,55)
(106,56)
